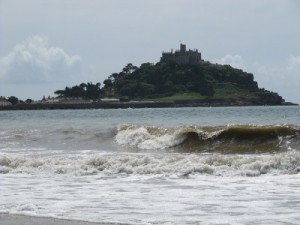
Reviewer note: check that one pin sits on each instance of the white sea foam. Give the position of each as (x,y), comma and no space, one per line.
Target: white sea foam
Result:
(150,138)
(165,164)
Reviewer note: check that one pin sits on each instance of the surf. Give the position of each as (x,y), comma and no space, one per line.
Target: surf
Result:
(150,164)
(241,139)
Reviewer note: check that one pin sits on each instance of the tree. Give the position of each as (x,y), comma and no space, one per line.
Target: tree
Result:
(60,93)
(108,88)
(129,69)
(89,91)
(13,100)
(83,86)
(93,91)
(28,101)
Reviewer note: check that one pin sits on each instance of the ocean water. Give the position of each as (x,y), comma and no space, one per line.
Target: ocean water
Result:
(224,165)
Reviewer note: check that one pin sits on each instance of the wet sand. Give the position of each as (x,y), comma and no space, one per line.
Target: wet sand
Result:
(8,219)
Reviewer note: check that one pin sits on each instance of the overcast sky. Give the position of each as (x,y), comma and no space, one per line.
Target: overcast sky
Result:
(46,45)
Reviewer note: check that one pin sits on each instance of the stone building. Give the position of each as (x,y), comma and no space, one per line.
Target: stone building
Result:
(182,56)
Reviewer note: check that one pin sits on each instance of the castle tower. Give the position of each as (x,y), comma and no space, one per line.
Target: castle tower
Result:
(182,48)
(182,56)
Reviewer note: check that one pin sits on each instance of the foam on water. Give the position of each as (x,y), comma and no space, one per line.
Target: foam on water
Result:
(153,199)
(155,164)
(143,138)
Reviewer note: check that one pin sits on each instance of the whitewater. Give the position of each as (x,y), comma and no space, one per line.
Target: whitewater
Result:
(222,165)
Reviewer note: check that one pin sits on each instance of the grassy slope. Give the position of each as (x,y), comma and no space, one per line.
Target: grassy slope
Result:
(222,91)
(228,90)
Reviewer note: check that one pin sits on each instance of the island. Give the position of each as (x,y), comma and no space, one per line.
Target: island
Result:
(181,78)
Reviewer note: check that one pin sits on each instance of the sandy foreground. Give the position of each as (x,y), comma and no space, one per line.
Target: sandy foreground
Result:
(8,219)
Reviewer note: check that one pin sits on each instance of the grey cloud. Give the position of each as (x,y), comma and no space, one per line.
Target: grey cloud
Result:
(235,61)
(33,61)
(294,63)
(281,78)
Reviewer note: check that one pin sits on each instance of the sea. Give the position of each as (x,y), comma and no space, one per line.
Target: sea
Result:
(206,165)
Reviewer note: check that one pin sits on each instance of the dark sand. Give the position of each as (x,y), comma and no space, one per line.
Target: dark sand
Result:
(8,219)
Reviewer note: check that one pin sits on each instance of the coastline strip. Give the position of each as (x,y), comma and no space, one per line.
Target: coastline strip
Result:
(139,104)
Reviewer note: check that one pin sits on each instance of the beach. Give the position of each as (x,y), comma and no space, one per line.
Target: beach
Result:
(9,219)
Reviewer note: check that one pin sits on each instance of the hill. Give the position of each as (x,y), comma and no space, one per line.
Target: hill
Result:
(198,82)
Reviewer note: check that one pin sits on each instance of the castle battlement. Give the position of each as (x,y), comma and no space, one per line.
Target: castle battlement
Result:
(182,56)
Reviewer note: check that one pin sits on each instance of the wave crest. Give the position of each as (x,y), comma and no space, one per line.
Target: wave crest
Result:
(224,139)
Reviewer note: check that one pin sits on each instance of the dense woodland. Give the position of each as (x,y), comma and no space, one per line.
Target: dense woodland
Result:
(169,78)
(87,91)
(165,79)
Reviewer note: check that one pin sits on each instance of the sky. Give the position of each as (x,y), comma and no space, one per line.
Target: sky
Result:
(46,45)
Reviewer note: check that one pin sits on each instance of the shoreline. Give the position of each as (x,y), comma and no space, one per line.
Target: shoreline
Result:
(140,104)
(16,219)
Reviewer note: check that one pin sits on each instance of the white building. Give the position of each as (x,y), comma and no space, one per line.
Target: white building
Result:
(66,101)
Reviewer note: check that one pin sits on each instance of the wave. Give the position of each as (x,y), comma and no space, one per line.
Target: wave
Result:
(234,139)
(223,139)
(171,164)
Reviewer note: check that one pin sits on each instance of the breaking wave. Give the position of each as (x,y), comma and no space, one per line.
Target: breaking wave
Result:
(222,139)
(172,164)
(242,150)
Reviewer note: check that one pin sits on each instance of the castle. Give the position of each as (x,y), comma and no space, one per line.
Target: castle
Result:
(182,56)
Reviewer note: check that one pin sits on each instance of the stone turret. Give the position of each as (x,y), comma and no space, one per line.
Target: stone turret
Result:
(182,48)
(182,56)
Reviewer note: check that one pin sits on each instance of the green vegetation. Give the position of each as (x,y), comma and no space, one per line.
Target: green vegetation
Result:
(161,80)
(180,97)
(13,100)
(88,91)
(170,82)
